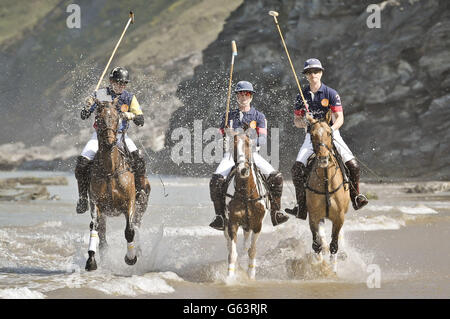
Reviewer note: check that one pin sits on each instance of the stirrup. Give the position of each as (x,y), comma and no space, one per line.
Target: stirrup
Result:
(360,201)
(218,223)
(300,214)
(278,218)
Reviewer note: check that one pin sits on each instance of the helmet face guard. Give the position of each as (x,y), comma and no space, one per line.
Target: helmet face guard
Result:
(119,74)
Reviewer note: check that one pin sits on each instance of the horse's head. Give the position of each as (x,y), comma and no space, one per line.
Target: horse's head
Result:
(242,154)
(107,119)
(321,139)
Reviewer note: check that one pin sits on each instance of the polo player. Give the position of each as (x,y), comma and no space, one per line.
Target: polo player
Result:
(320,100)
(129,109)
(245,116)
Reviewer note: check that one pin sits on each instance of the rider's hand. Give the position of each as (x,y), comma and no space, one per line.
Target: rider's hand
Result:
(85,113)
(128,115)
(89,102)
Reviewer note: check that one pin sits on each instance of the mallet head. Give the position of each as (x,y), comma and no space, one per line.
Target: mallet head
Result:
(132,16)
(273,13)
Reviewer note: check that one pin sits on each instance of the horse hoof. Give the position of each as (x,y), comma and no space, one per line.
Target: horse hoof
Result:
(91,264)
(130,262)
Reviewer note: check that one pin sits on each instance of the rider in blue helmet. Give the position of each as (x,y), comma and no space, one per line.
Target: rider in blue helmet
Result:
(242,117)
(320,100)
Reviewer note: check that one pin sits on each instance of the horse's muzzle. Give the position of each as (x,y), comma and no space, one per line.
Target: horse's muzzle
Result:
(244,171)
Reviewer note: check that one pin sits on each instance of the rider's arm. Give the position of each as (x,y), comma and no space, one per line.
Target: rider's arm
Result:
(136,110)
(338,120)
(337,112)
(261,129)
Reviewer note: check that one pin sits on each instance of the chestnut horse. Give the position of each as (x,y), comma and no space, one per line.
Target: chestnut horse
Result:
(327,196)
(247,207)
(112,189)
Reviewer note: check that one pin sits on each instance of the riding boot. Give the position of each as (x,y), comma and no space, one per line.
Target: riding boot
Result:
(275,183)
(299,175)
(139,171)
(83,176)
(358,199)
(217,190)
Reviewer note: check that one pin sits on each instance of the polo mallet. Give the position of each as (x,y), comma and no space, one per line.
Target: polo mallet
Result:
(274,14)
(234,51)
(130,20)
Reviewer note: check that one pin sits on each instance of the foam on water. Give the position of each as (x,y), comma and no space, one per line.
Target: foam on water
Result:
(380,222)
(20,293)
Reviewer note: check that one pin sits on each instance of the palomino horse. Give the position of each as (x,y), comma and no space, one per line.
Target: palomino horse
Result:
(327,196)
(247,208)
(112,188)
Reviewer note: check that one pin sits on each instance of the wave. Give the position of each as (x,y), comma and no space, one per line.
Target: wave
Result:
(20,293)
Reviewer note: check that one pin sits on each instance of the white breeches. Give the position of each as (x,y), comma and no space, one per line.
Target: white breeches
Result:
(307,148)
(91,147)
(227,163)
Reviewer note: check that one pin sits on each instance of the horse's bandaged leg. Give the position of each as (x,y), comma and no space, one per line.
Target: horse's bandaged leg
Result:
(93,241)
(131,250)
(232,258)
(252,257)
(333,262)
(323,236)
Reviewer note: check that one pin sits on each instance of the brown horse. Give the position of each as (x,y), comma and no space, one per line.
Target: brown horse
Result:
(247,208)
(327,196)
(112,188)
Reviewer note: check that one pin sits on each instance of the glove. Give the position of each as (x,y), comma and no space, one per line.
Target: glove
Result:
(128,115)
(89,101)
(85,113)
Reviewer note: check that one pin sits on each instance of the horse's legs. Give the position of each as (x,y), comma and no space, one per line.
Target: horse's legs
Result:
(251,256)
(130,257)
(103,245)
(317,241)
(322,235)
(91,264)
(337,225)
(246,237)
(232,250)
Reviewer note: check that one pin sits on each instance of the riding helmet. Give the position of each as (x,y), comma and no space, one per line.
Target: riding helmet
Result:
(244,86)
(312,63)
(119,74)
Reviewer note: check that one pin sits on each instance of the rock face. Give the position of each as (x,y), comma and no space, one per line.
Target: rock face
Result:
(28,188)
(394,80)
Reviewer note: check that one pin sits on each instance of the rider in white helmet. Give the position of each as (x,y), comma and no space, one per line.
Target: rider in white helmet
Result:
(246,115)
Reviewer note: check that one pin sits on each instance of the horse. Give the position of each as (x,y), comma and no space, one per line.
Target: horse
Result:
(327,195)
(247,207)
(112,189)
